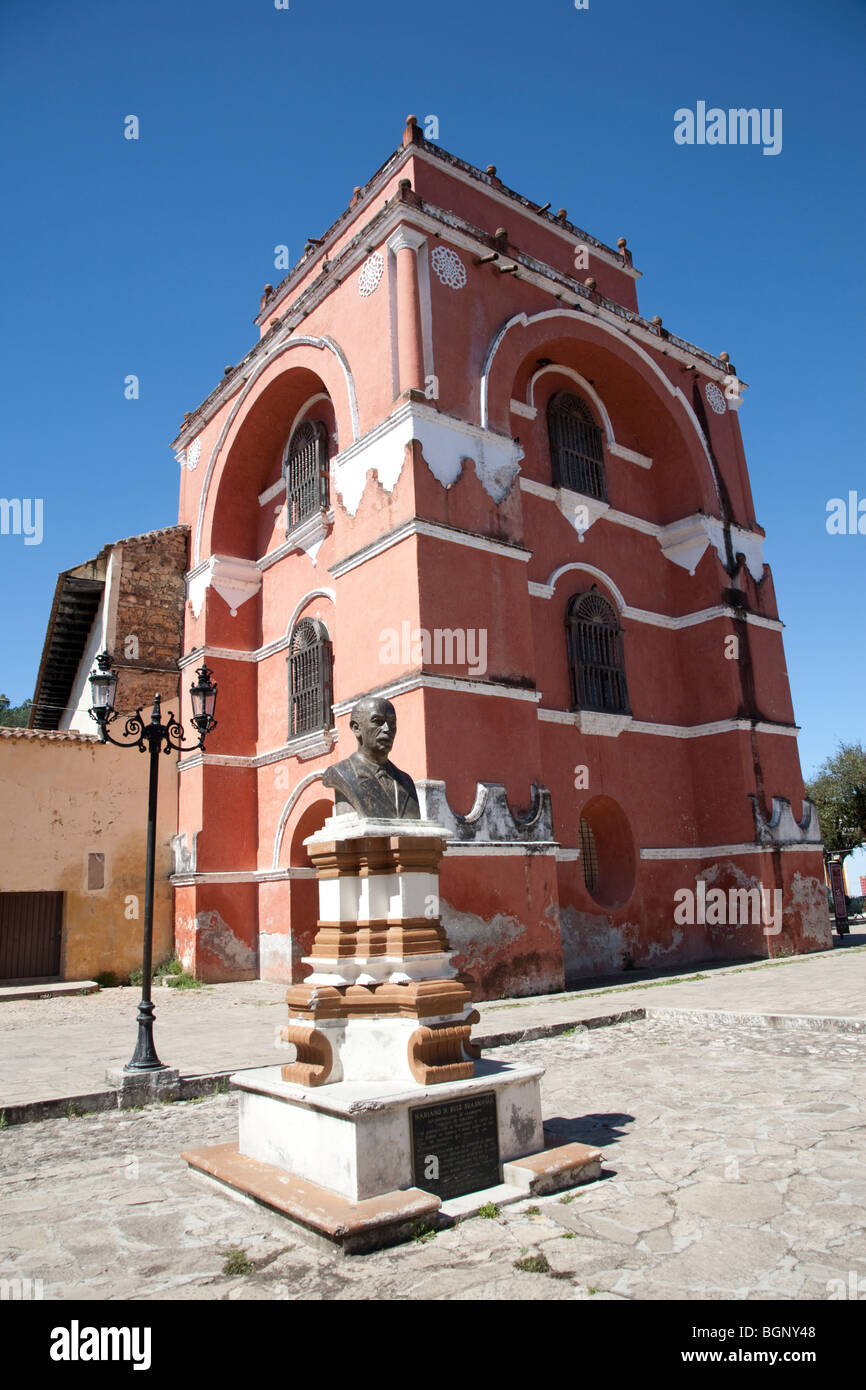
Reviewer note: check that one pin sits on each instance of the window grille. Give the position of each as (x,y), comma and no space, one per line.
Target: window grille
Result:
(596,658)
(310,679)
(576,450)
(306,470)
(588,856)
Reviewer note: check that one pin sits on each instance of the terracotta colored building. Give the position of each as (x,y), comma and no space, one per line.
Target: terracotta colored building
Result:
(460,470)
(73,812)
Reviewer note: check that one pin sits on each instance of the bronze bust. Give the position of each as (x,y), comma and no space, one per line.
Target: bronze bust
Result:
(368,783)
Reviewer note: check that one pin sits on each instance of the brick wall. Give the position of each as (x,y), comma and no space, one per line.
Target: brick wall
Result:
(150,607)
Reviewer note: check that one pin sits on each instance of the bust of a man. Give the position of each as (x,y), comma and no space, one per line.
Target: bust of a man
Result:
(368,782)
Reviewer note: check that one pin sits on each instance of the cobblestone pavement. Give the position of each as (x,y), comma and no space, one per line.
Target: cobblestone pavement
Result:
(733,1168)
(62,1046)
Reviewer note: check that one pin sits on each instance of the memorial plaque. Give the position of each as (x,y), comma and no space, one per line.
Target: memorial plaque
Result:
(455,1146)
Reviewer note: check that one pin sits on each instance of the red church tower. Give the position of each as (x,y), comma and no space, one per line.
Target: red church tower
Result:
(461,471)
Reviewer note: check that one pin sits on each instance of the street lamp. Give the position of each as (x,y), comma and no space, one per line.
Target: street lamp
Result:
(153,737)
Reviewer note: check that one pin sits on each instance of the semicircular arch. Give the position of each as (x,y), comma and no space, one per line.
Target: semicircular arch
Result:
(216,462)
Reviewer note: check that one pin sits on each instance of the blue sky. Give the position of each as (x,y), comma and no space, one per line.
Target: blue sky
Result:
(148,256)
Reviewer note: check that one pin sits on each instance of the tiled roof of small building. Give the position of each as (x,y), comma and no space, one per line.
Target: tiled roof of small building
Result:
(51,735)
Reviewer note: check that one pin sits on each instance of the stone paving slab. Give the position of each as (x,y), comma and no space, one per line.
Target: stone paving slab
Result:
(59,1048)
(733,1168)
(54,990)
(826,984)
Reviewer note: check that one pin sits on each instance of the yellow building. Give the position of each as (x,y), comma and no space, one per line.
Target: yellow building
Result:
(73,810)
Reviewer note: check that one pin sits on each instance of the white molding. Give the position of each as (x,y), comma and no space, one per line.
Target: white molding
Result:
(583,569)
(588,721)
(567,501)
(528,412)
(284,343)
(472,848)
(630,455)
(682,541)
(584,720)
(536,219)
(210,653)
(436,531)
(294,795)
(703,615)
(300,538)
(235,581)
(309,534)
(243,876)
(567,856)
(406,238)
(421,681)
(313,400)
(718,851)
(673,623)
(685,541)
(303,742)
(608,323)
(306,746)
(271,492)
(301,605)
(556,369)
(445,442)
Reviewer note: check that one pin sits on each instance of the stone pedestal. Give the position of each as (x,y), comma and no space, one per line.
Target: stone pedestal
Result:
(356,1139)
(387,1118)
(383,1002)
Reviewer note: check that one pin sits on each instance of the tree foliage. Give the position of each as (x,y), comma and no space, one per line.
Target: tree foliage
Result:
(14,716)
(839,793)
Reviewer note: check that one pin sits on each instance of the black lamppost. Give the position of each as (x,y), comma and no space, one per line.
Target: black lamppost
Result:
(153,737)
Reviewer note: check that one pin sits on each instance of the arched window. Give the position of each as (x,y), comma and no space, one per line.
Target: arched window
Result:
(596,661)
(310,682)
(576,452)
(306,470)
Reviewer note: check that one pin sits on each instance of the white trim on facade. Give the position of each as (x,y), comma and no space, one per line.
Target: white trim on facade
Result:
(445,442)
(503,848)
(283,343)
(537,218)
(456,684)
(539,589)
(607,322)
(721,851)
(592,722)
(437,531)
(305,782)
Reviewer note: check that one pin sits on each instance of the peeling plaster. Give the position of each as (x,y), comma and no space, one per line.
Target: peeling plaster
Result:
(445,443)
(591,944)
(275,955)
(487,947)
(216,936)
(809,899)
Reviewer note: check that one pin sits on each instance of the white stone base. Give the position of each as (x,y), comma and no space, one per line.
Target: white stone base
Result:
(355,1139)
(375,1049)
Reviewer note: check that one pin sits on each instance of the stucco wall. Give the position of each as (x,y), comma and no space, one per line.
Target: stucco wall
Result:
(64,796)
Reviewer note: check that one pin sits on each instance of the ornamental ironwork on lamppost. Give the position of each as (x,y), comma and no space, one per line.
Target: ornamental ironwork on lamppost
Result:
(152,737)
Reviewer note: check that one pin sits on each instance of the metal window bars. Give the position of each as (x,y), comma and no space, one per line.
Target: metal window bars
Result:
(576,446)
(306,471)
(596,657)
(310,678)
